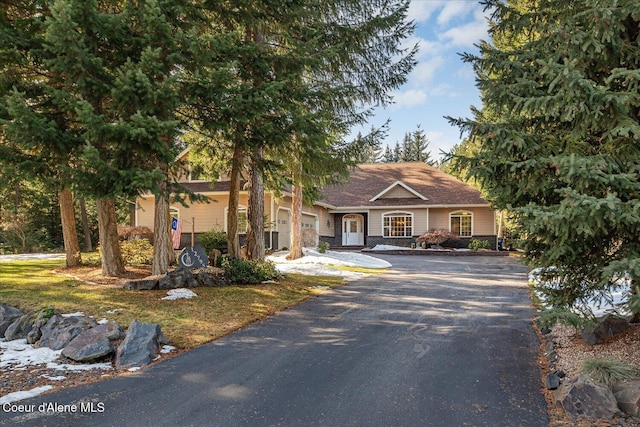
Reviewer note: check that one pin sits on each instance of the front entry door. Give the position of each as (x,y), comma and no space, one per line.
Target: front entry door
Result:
(352,232)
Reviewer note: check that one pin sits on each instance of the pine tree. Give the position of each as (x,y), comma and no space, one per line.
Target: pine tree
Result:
(558,137)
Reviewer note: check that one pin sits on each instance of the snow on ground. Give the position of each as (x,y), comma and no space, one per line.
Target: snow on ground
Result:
(18,355)
(315,263)
(599,307)
(179,293)
(20,395)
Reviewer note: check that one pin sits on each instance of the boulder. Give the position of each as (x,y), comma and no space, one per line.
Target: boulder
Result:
(178,278)
(627,394)
(58,332)
(552,381)
(581,396)
(8,315)
(210,276)
(94,343)
(146,284)
(140,346)
(28,325)
(606,327)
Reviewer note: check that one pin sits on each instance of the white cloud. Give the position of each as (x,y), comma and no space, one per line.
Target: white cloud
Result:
(468,34)
(408,98)
(425,70)
(421,10)
(451,10)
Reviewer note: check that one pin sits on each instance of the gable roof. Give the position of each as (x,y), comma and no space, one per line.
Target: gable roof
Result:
(426,186)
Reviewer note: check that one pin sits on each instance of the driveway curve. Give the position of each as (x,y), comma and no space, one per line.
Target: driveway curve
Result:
(435,341)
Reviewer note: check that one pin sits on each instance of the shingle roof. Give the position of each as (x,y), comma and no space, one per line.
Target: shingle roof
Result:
(367,181)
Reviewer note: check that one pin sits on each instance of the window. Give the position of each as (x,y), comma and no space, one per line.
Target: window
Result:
(174,213)
(397,224)
(460,223)
(242,220)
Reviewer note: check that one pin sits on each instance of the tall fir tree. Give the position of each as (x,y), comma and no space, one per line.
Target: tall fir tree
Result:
(558,137)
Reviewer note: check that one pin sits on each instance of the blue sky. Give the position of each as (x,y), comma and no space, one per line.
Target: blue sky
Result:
(441,84)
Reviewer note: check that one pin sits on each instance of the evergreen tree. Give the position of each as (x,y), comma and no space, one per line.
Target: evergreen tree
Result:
(559,137)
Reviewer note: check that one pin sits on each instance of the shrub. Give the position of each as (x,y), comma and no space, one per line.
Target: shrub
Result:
(608,370)
(134,252)
(476,244)
(134,233)
(551,317)
(323,247)
(249,271)
(436,237)
(215,239)
(137,252)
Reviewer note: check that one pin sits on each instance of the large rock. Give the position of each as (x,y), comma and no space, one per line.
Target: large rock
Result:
(581,396)
(140,346)
(606,327)
(59,331)
(8,315)
(178,278)
(627,394)
(94,343)
(146,284)
(210,276)
(28,325)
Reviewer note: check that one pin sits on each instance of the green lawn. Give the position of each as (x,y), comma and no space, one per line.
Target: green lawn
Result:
(187,323)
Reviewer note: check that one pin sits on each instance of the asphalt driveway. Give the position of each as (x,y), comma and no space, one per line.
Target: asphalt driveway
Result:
(436,341)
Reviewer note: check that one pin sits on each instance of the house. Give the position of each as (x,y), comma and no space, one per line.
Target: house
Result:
(384,203)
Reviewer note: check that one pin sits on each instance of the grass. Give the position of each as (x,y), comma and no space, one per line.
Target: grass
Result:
(188,323)
(608,370)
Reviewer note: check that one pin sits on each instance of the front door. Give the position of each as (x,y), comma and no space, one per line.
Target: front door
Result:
(352,232)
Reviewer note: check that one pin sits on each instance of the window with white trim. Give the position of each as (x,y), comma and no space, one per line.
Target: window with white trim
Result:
(397,224)
(460,223)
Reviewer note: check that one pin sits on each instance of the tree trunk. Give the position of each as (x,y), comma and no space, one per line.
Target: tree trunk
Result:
(112,264)
(296,212)
(255,211)
(86,229)
(163,254)
(69,234)
(233,242)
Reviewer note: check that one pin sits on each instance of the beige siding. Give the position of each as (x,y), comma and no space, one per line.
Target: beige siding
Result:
(420,220)
(397,192)
(483,221)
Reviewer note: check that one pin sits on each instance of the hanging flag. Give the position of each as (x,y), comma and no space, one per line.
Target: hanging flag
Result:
(176,232)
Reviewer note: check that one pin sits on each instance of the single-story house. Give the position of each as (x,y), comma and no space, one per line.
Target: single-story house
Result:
(383,203)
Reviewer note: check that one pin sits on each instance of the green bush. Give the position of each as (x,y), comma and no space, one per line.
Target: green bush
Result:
(323,247)
(249,271)
(476,244)
(608,370)
(551,317)
(213,240)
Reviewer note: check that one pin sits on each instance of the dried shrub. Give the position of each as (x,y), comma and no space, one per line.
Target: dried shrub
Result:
(135,233)
(436,237)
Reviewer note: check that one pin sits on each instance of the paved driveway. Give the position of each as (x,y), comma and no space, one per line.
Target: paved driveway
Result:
(436,341)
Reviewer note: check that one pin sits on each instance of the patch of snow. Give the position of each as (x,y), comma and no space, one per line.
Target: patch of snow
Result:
(115,310)
(599,307)
(179,293)
(134,369)
(76,314)
(18,355)
(20,395)
(103,321)
(58,378)
(167,349)
(390,248)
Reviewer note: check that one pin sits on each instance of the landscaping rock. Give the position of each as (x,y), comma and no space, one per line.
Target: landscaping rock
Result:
(58,332)
(94,343)
(28,325)
(581,396)
(140,345)
(553,381)
(8,315)
(178,278)
(627,394)
(146,284)
(606,327)
(210,276)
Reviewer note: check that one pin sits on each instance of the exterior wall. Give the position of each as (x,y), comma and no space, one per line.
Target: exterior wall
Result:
(483,220)
(420,220)
(398,192)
